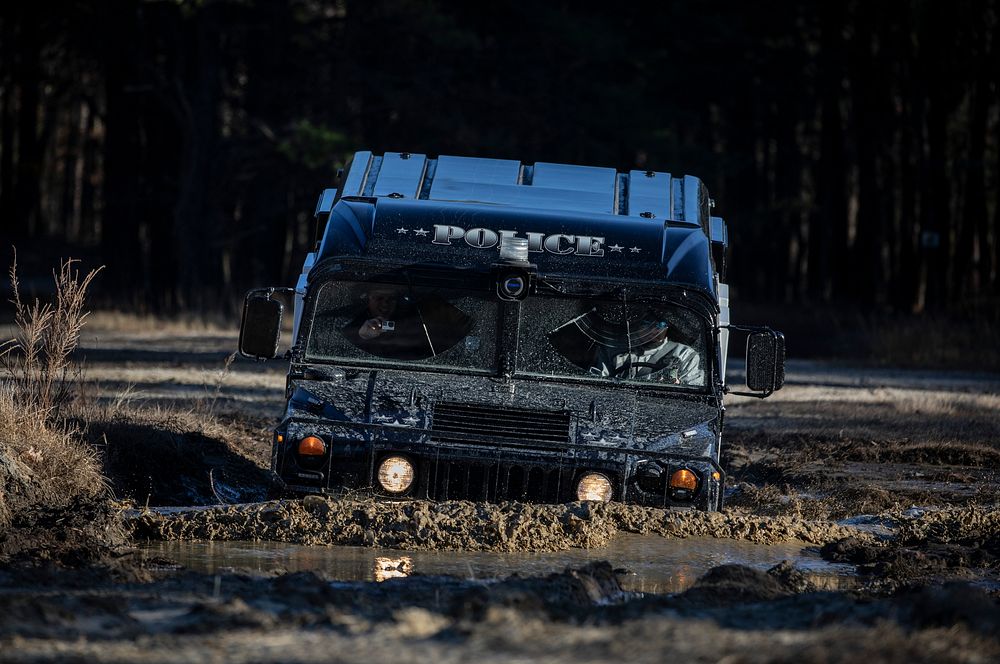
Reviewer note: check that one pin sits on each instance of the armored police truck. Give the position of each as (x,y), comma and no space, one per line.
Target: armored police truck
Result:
(492,330)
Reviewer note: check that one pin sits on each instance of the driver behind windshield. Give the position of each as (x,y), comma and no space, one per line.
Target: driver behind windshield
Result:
(612,340)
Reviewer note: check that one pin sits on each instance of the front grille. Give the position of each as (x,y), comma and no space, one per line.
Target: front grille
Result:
(498,482)
(499,425)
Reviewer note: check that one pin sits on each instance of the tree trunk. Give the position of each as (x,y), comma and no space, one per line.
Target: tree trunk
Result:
(968,251)
(120,226)
(29,150)
(197,227)
(828,236)
(7,126)
(867,272)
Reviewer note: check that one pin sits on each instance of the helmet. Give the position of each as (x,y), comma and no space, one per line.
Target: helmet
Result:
(622,325)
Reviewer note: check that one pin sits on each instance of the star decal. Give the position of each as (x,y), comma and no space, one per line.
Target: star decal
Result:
(402,231)
(616,247)
(421,232)
(635,250)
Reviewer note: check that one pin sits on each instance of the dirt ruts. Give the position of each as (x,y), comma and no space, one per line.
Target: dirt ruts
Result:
(733,613)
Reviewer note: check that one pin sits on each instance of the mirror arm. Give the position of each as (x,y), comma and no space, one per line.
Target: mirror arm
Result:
(756,395)
(746,328)
(276,290)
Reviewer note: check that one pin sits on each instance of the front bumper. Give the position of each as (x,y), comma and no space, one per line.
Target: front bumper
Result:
(478,471)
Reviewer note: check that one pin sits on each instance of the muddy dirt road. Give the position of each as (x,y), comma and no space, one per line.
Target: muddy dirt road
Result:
(863,521)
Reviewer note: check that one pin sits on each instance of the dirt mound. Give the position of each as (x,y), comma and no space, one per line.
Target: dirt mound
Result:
(76,533)
(950,605)
(557,595)
(37,527)
(931,547)
(837,503)
(976,526)
(729,584)
(160,459)
(889,567)
(466,526)
(40,524)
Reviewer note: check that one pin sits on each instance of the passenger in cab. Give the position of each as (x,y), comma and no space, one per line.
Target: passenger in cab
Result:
(634,342)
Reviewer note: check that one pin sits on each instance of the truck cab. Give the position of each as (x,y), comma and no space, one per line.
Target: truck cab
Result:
(491,330)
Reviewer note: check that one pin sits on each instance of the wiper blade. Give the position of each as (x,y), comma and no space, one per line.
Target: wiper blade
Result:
(420,314)
(628,333)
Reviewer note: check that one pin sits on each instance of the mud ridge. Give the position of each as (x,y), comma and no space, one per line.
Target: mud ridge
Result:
(460,525)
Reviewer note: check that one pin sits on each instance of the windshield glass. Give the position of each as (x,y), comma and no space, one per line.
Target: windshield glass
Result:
(397,318)
(612,338)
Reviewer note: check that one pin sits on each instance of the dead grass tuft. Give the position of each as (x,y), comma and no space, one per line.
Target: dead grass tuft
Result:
(37,359)
(60,464)
(45,466)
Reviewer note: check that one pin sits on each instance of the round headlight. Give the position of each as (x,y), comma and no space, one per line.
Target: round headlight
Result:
(312,446)
(594,486)
(395,474)
(684,479)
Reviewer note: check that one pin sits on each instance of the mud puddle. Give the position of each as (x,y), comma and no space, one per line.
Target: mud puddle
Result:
(646,564)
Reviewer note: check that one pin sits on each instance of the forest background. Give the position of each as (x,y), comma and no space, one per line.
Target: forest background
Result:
(852,146)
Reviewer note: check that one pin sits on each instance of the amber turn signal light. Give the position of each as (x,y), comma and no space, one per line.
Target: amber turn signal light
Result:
(684,479)
(312,446)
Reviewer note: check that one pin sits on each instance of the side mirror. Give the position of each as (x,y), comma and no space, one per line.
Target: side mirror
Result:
(260,328)
(766,361)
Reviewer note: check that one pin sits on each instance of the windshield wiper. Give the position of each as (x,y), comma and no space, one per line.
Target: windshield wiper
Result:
(628,333)
(420,314)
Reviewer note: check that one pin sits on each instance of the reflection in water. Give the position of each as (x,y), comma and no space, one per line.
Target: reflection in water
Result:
(652,564)
(391,568)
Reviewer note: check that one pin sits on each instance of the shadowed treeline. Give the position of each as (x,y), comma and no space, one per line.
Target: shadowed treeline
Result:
(852,146)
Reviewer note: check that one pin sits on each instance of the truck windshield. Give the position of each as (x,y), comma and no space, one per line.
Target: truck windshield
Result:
(612,338)
(388,322)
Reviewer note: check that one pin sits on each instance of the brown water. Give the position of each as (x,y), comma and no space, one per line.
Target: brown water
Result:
(652,564)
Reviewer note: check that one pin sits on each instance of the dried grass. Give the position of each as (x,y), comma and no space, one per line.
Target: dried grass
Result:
(37,359)
(61,465)
(37,378)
